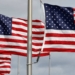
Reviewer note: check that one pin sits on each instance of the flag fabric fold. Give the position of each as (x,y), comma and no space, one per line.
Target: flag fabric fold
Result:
(13,36)
(59,28)
(5,64)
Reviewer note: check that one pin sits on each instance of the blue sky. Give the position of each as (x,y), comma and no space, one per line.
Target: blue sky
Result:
(60,63)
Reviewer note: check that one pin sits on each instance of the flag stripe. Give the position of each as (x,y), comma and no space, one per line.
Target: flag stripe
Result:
(5,63)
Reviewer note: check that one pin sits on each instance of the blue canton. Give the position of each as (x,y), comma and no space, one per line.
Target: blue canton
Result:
(5,25)
(60,18)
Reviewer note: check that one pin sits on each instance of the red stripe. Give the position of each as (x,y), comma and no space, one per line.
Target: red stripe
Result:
(32,20)
(19,29)
(5,67)
(37,26)
(1,74)
(19,23)
(22,54)
(12,40)
(37,38)
(59,35)
(58,50)
(5,58)
(37,44)
(5,72)
(73,14)
(19,35)
(38,33)
(10,46)
(60,42)
(4,62)
(74,21)
(73,9)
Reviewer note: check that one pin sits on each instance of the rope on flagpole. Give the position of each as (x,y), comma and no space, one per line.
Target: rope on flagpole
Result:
(41,5)
(49,64)
(38,57)
(18,63)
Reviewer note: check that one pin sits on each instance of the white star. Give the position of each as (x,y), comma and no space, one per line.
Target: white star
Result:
(52,26)
(52,16)
(57,27)
(64,24)
(47,21)
(49,14)
(62,27)
(46,6)
(52,21)
(59,19)
(57,16)
(46,11)
(67,27)
(49,8)
(46,16)
(49,24)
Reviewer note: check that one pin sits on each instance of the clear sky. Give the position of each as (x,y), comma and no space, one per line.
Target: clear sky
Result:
(60,63)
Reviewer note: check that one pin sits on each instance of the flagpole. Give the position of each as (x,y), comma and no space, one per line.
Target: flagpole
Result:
(29,43)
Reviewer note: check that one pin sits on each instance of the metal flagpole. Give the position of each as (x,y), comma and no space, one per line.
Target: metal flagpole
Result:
(29,44)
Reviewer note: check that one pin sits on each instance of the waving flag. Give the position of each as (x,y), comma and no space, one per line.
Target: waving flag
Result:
(5,64)
(13,36)
(60,29)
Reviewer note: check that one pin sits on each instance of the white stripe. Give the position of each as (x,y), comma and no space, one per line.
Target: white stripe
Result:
(38,30)
(5,60)
(5,56)
(60,31)
(17,50)
(13,50)
(37,41)
(19,32)
(19,26)
(35,35)
(5,64)
(13,44)
(59,46)
(38,23)
(59,39)
(36,47)
(4,69)
(19,20)
(12,37)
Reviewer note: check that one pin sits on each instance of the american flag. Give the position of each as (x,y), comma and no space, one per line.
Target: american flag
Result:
(13,36)
(60,28)
(5,64)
